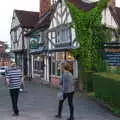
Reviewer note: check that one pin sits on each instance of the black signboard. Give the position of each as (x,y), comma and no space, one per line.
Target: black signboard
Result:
(112,53)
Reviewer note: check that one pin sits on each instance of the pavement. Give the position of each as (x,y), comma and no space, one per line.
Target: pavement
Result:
(39,102)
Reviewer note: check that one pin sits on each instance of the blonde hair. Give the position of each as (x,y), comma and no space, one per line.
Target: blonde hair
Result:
(66,66)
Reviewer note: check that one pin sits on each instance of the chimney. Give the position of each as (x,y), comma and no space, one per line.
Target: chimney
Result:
(44,6)
(112,3)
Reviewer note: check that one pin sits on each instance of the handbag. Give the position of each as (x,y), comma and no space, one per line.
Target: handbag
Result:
(60,95)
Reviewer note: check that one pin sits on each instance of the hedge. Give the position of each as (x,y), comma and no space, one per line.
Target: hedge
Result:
(88,81)
(107,88)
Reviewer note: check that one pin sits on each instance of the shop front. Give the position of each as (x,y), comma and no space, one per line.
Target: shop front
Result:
(38,65)
(57,60)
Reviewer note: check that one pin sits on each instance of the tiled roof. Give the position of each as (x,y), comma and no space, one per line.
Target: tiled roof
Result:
(83,5)
(118,15)
(45,20)
(115,12)
(27,19)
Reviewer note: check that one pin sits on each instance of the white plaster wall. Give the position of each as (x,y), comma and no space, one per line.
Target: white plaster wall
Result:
(32,64)
(46,69)
(26,42)
(15,21)
(18,44)
(19,37)
(108,20)
(61,20)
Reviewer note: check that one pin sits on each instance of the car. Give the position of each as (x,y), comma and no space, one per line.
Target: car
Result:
(3,69)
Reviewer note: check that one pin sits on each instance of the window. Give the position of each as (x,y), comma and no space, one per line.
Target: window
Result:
(57,60)
(53,68)
(56,68)
(63,35)
(38,64)
(15,36)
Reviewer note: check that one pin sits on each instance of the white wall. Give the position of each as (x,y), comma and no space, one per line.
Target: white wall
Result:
(46,69)
(63,16)
(15,21)
(108,20)
(18,44)
(61,20)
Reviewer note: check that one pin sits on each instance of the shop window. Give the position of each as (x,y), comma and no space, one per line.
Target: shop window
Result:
(53,68)
(58,68)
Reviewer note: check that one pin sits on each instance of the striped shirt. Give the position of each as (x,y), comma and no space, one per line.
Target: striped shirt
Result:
(14,75)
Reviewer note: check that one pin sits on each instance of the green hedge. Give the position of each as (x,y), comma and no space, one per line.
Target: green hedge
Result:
(107,88)
(88,81)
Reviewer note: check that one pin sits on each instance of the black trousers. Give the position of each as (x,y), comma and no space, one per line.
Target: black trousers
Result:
(69,96)
(14,93)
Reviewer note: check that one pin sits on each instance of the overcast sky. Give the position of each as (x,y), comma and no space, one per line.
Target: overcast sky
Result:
(6,12)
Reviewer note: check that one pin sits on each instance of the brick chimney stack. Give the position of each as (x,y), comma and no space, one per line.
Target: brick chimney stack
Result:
(44,6)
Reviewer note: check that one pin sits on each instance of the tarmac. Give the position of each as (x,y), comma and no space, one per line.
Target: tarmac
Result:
(39,102)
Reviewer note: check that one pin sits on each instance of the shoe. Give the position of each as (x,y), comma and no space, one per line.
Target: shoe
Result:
(14,114)
(70,118)
(58,116)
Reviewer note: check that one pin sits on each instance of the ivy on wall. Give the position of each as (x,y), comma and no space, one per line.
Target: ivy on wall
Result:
(90,34)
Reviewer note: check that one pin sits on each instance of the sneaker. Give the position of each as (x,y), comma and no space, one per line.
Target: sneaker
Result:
(70,118)
(58,116)
(14,115)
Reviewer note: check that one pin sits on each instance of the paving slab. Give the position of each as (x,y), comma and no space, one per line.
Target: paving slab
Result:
(39,102)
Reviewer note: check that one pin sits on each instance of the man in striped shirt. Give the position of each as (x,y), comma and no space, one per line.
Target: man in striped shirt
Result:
(13,80)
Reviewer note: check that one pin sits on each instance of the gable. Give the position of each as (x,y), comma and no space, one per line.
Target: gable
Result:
(108,19)
(83,4)
(15,21)
(28,19)
(61,15)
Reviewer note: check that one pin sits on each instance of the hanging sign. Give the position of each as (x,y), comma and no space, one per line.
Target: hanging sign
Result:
(34,42)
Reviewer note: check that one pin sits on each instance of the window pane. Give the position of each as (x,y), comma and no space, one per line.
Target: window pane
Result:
(53,68)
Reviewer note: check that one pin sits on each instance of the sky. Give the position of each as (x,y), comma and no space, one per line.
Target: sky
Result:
(6,12)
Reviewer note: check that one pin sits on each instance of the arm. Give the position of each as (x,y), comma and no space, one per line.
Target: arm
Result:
(65,84)
(7,80)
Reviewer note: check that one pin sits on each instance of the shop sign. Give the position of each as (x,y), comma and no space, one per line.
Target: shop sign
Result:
(112,53)
(34,42)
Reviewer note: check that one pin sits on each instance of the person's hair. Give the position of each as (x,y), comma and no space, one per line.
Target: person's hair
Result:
(66,66)
(13,64)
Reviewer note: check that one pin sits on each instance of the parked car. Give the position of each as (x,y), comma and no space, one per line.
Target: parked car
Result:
(3,69)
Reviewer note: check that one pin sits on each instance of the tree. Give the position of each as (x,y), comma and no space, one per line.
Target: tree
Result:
(90,34)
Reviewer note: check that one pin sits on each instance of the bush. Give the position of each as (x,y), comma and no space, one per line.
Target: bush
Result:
(88,82)
(107,88)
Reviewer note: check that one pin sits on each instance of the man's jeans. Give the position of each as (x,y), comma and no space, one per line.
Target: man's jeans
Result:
(14,93)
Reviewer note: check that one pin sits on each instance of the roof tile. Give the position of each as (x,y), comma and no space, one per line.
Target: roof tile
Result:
(27,19)
(83,5)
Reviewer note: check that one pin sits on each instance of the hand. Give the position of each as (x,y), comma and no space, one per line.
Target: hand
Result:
(7,81)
